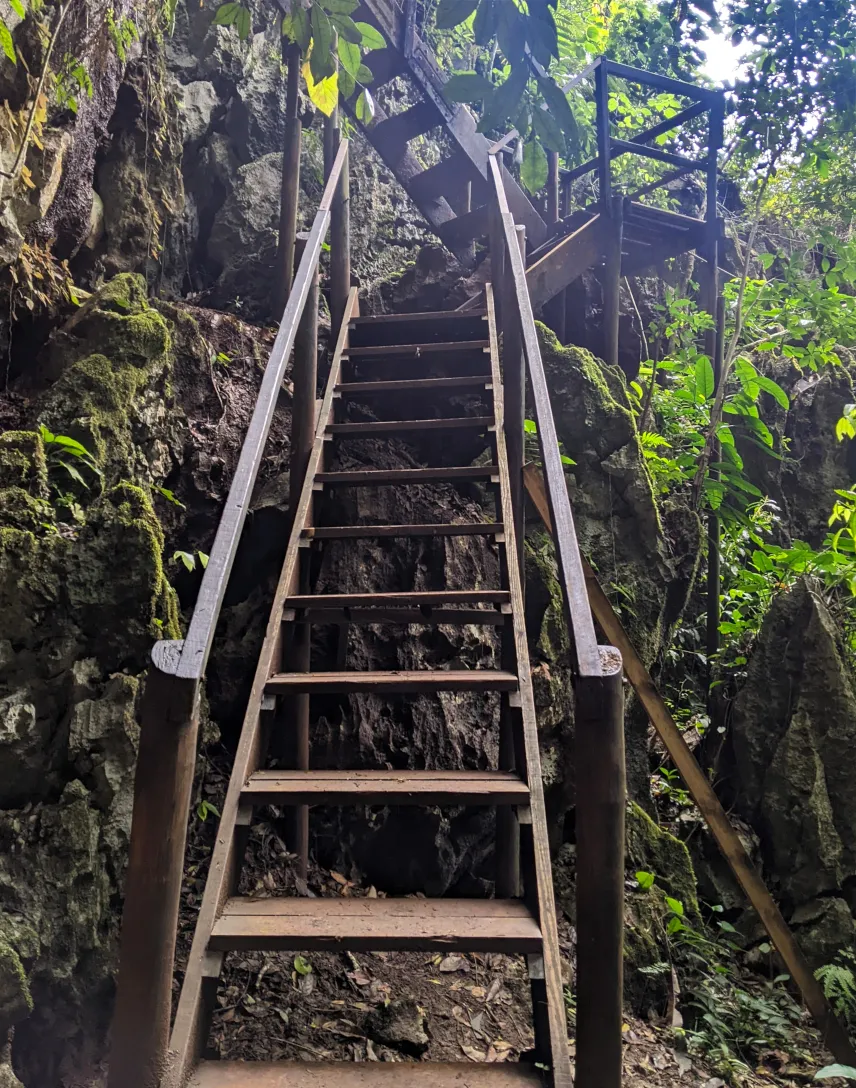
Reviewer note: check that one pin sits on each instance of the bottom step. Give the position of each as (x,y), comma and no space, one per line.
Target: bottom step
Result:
(364,1075)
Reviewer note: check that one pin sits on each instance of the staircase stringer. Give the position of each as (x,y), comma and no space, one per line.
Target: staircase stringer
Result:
(545,898)
(190,1028)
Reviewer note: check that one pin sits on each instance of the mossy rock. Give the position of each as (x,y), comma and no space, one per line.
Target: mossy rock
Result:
(653,850)
(23,463)
(117,571)
(16,1002)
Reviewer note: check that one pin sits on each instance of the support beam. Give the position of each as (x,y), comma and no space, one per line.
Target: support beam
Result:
(611,281)
(305,377)
(834,1035)
(565,262)
(290,191)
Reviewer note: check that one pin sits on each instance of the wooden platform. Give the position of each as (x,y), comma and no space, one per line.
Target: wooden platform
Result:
(364,1075)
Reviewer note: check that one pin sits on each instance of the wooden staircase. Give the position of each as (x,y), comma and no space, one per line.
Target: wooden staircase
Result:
(446,354)
(454,194)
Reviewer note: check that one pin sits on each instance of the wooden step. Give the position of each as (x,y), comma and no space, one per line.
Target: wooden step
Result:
(447,178)
(376,925)
(415,385)
(421,680)
(465,228)
(385,788)
(231,1074)
(427,617)
(375,477)
(459,346)
(391,136)
(416,598)
(392,426)
(345,532)
(419,328)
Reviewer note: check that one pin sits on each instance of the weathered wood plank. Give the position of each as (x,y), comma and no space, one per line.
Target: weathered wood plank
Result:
(344,532)
(385,788)
(425,680)
(294,924)
(565,262)
(365,1075)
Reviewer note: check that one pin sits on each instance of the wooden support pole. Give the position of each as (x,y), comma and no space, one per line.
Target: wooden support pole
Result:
(290,192)
(163,783)
(340,248)
(305,378)
(514,385)
(497,261)
(714,578)
(611,283)
(604,172)
(552,187)
(600,804)
(712,301)
(834,1035)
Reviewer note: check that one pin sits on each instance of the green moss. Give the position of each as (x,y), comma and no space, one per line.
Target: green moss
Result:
(123,294)
(21,510)
(654,850)
(16,1002)
(23,462)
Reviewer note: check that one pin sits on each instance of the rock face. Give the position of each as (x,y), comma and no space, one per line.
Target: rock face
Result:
(794,737)
(85,588)
(646,569)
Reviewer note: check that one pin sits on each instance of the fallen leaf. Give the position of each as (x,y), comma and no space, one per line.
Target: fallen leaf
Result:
(683,1062)
(449,964)
(473,1054)
(338,877)
(478,992)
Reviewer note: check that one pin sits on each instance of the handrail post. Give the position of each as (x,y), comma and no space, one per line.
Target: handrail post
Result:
(340,247)
(305,379)
(514,386)
(611,281)
(600,799)
(163,784)
(290,192)
(604,171)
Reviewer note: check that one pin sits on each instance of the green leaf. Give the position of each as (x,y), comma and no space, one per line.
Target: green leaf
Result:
(645,880)
(726,927)
(486,21)
(73,472)
(548,131)
(505,98)
(566,460)
(325,93)
(675,906)
(301,29)
(467,87)
(847,1071)
(452,12)
(675,925)
(169,496)
(534,169)
(226,14)
(347,83)
(372,39)
(347,28)
(203,559)
(365,107)
(561,110)
(320,59)
(365,75)
(243,23)
(340,7)
(302,966)
(349,55)
(774,389)
(704,377)
(19,9)
(186,558)
(530,426)
(542,38)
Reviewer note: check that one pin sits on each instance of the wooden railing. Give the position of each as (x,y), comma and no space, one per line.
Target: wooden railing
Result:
(597,675)
(170,709)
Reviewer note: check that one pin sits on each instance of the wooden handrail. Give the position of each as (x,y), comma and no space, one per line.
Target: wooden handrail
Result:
(200,634)
(169,725)
(580,624)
